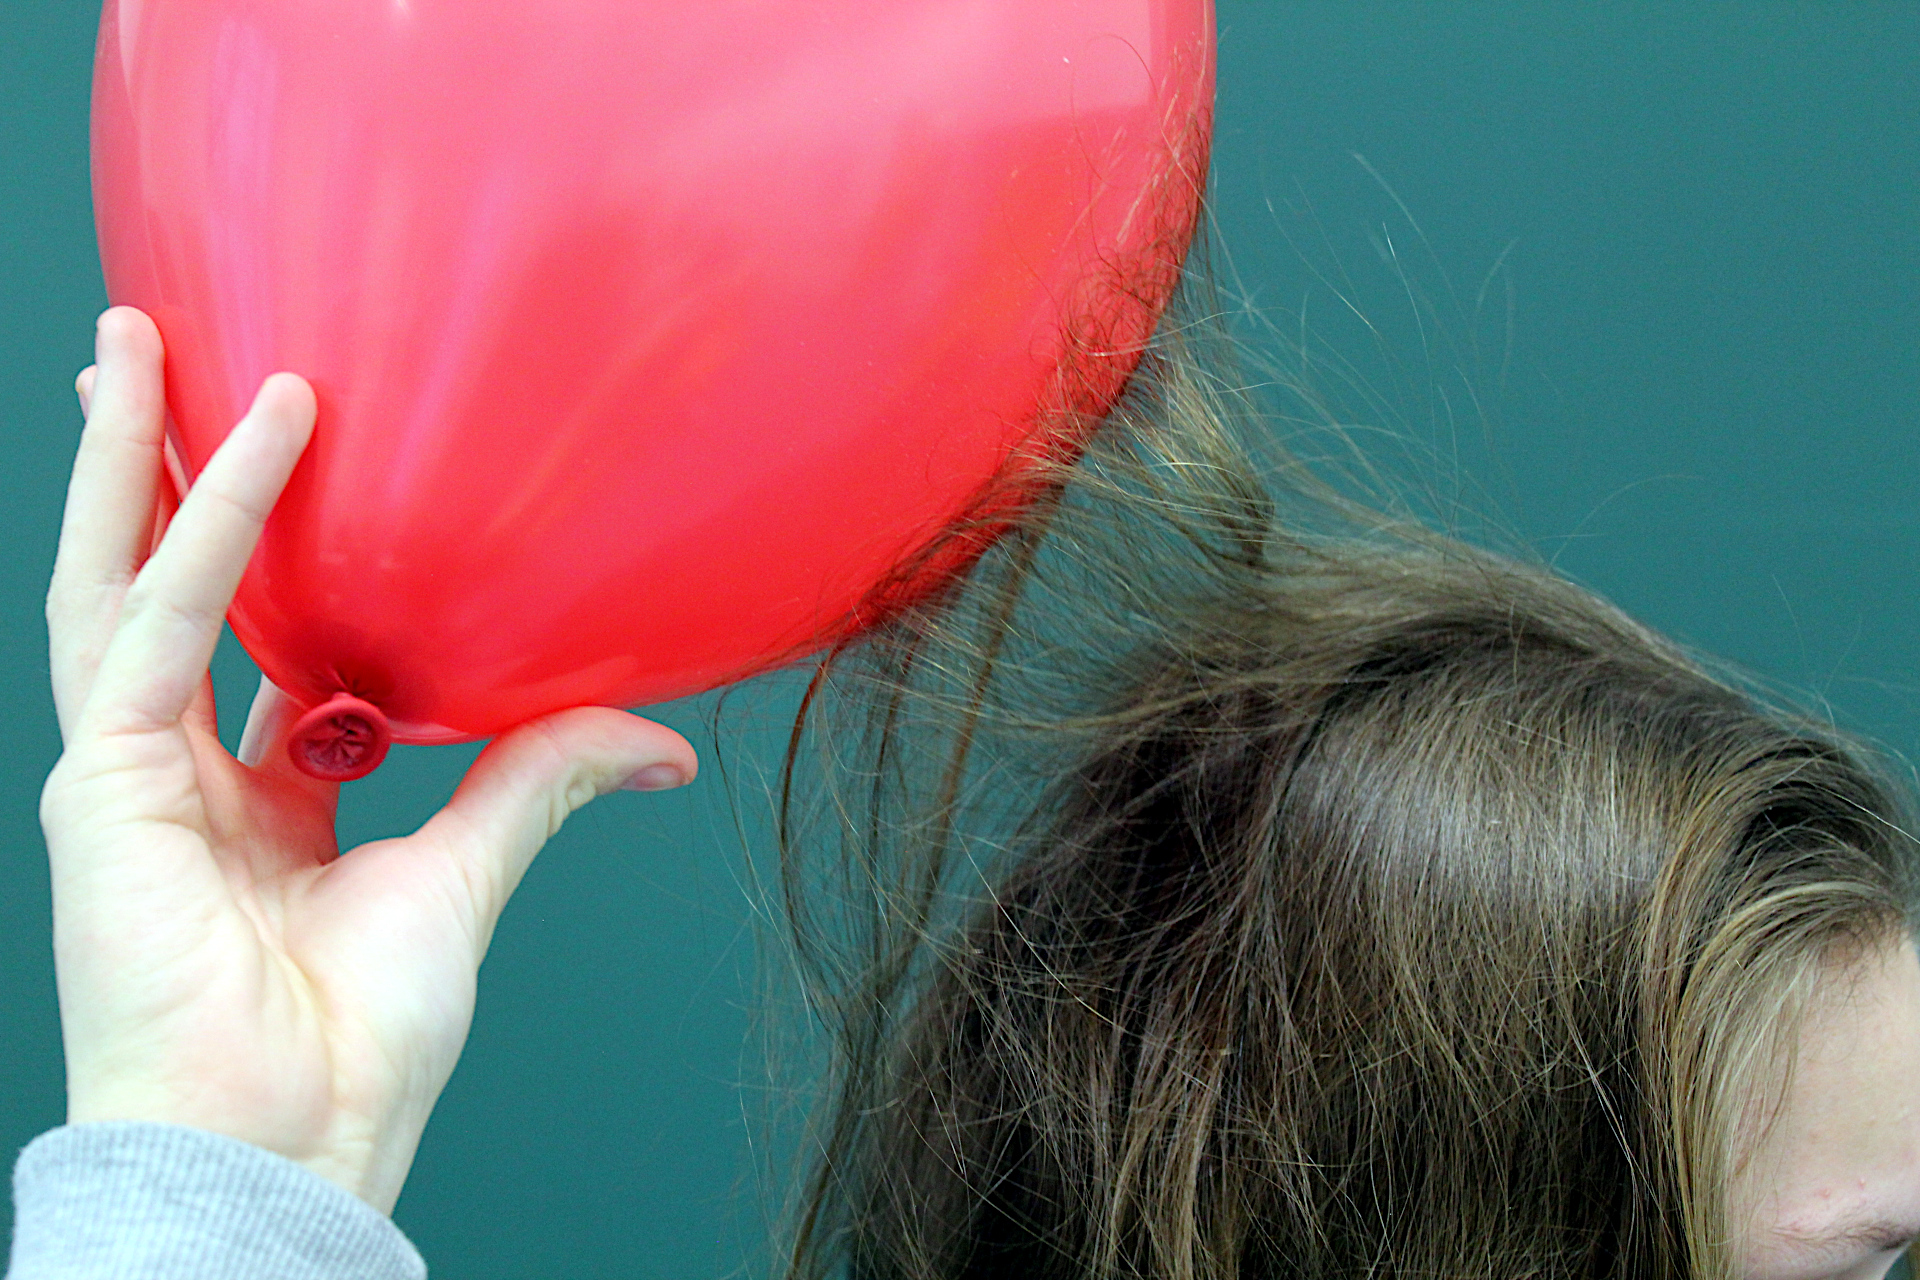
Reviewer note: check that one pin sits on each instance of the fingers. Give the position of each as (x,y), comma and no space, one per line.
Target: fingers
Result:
(171,616)
(263,744)
(524,786)
(109,520)
(268,720)
(202,713)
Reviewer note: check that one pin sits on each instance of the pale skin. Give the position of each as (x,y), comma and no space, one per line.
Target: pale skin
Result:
(1831,1191)
(221,965)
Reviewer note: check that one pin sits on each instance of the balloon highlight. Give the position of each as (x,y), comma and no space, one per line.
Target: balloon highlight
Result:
(650,339)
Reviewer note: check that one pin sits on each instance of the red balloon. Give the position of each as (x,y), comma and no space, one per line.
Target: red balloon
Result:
(649,336)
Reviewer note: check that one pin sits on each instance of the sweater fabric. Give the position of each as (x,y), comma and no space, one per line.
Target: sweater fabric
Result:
(128,1200)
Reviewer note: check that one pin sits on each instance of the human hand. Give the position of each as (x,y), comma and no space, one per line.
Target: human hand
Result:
(219,963)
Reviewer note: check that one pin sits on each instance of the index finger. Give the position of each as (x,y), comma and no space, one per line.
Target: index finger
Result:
(171,619)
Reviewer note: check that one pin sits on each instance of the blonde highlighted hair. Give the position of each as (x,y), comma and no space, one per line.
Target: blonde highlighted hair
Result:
(1231,878)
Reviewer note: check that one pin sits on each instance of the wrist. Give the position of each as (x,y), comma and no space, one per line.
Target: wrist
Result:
(368,1161)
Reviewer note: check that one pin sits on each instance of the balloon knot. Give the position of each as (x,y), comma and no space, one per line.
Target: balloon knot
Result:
(341,739)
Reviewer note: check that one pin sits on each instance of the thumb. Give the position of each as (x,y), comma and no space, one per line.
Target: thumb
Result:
(527,782)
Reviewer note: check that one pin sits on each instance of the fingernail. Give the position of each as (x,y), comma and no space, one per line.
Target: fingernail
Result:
(656,777)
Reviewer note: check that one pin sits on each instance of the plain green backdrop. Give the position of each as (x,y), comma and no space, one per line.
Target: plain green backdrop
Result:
(1675,249)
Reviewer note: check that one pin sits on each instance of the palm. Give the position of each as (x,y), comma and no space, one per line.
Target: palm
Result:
(220,965)
(265,970)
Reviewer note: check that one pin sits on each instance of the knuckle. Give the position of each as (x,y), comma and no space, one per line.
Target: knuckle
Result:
(143,601)
(580,789)
(243,505)
(70,602)
(61,599)
(559,809)
(579,778)
(53,796)
(63,799)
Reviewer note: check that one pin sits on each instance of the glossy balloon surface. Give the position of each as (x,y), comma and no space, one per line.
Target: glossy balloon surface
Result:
(648,336)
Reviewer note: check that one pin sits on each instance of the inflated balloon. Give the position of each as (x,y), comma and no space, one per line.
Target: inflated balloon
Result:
(650,337)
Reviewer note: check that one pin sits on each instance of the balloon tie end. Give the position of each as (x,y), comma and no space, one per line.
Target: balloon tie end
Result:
(341,739)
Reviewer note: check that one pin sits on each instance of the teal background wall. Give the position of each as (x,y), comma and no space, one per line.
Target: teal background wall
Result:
(1706,220)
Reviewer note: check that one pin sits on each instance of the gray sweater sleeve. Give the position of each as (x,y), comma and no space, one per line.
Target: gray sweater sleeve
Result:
(136,1201)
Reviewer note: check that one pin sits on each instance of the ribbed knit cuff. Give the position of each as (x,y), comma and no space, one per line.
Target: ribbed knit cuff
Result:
(137,1201)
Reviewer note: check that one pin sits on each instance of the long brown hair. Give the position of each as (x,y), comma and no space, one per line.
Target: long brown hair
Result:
(1235,878)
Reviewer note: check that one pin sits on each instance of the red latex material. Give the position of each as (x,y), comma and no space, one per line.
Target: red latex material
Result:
(341,739)
(649,336)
